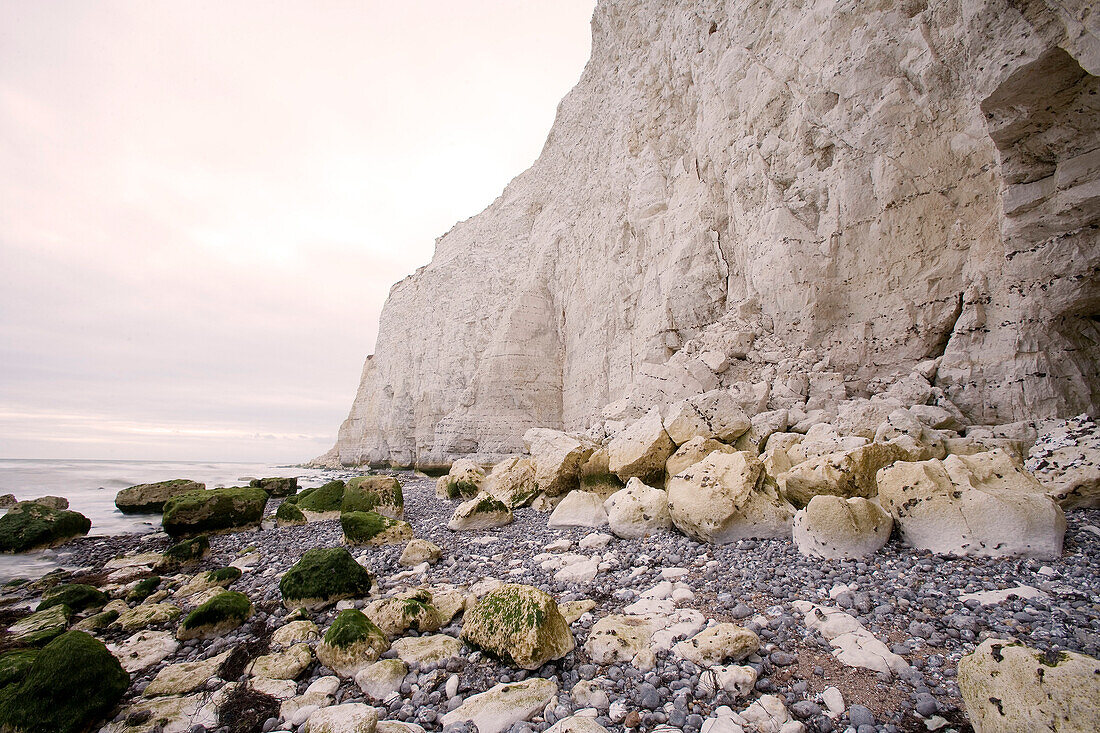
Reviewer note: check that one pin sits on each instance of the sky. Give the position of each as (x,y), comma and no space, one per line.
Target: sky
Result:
(203,204)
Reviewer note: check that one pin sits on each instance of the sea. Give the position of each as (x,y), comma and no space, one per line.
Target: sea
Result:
(90,486)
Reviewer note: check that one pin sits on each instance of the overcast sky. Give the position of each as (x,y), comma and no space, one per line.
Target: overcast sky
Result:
(203,204)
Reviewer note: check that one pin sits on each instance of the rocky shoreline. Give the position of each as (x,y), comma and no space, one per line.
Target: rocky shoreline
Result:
(930,610)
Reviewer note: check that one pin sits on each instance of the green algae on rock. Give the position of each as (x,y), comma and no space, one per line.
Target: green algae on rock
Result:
(322,499)
(371,528)
(14,665)
(187,552)
(150,498)
(41,626)
(322,577)
(289,515)
(29,525)
(76,596)
(72,683)
(520,624)
(143,589)
(214,510)
(381,494)
(221,613)
(351,644)
(276,486)
(404,611)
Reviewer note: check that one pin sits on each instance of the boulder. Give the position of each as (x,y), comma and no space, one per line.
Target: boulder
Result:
(352,717)
(852,643)
(558,458)
(715,414)
(618,638)
(641,450)
(77,596)
(214,510)
(720,643)
(146,614)
(145,649)
(351,643)
(185,677)
(578,509)
(289,515)
(431,649)
(276,487)
(637,511)
(835,528)
(694,451)
(576,724)
(7,501)
(150,498)
(319,502)
(720,500)
(143,589)
(72,683)
(323,576)
(184,553)
(411,610)
(1007,687)
(41,626)
(224,612)
(419,551)
(512,482)
(764,425)
(14,665)
(382,678)
(293,633)
(463,481)
(846,474)
(287,664)
(520,624)
(504,705)
(381,494)
(596,474)
(481,512)
(372,528)
(982,504)
(29,526)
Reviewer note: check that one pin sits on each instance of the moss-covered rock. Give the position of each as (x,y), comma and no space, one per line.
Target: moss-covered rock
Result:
(41,626)
(188,552)
(371,528)
(214,510)
(352,643)
(322,499)
(150,498)
(14,665)
(289,515)
(223,612)
(72,683)
(143,589)
(276,486)
(412,610)
(418,551)
(29,525)
(146,614)
(77,596)
(464,480)
(481,512)
(381,494)
(99,621)
(223,576)
(322,577)
(519,624)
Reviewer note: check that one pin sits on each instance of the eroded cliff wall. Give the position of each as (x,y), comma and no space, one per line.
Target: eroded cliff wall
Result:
(756,190)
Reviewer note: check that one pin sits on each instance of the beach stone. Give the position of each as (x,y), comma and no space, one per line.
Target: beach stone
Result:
(735,680)
(637,511)
(558,458)
(289,515)
(715,414)
(73,682)
(573,610)
(213,510)
(1006,686)
(77,596)
(381,679)
(419,551)
(463,481)
(854,645)
(720,499)
(431,649)
(846,473)
(767,714)
(694,451)
(41,626)
(275,486)
(578,509)
(380,494)
(144,649)
(596,475)
(346,718)
(518,623)
(371,528)
(146,614)
(512,482)
(150,498)
(278,689)
(576,724)
(982,504)
(183,554)
(351,643)
(169,714)
(320,503)
(641,450)
(496,710)
(404,611)
(323,576)
(224,612)
(618,638)
(284,665)
(185,677)
(481,512)
(720,643)
(320,694)
(293,633)
(30,526)
(832,527)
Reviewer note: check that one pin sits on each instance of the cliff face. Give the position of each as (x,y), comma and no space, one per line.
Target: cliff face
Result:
(755,190)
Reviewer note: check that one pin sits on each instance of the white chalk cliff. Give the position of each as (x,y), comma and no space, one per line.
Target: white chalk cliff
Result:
(764,192)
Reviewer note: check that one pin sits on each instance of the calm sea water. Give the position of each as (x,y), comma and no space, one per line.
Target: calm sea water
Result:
(90,487)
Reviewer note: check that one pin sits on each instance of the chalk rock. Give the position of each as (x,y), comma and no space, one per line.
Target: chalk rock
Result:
(381,679)
(512,482)
(284,665)
(144,649)
(353,717)
(694,451)
(720,500)
(558,459)
(845,474)
(852,643)
(433,648)
(719,643)
(713,414)
(418,551)
(520,623)
(637,510)
(618,638)
(497,709)
(835,528)
(481,512)
(982,504)
(578,509)
(641,450)
(463,481)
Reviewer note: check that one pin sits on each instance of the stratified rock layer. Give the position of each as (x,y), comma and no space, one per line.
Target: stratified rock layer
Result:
(737,191)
